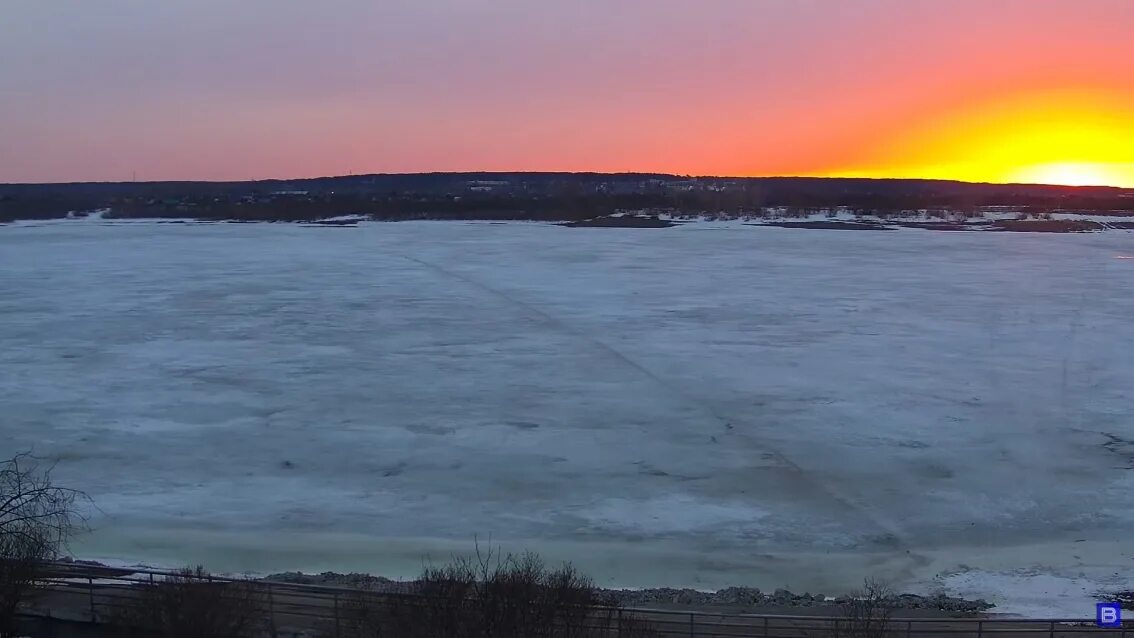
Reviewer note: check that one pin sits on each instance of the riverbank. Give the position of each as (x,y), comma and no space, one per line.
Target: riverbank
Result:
(726,600)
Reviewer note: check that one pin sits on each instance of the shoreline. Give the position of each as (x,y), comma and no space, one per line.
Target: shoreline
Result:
(734,599)
(727,600)
(1069,222)
(1030,580)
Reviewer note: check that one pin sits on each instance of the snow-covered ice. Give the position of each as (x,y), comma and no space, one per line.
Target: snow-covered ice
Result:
(705,405)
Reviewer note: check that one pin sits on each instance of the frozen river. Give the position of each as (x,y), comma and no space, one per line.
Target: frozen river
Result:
(698,406)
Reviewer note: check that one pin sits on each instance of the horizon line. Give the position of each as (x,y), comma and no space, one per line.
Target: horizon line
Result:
(577,173)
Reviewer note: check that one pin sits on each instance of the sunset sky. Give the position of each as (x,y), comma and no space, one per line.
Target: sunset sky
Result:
(979,90)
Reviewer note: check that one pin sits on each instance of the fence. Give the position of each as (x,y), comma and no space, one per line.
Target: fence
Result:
(95,594)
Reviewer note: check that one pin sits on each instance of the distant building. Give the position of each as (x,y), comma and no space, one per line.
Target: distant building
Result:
(288,193)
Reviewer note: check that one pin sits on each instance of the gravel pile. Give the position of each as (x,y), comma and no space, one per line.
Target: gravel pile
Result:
(748,596)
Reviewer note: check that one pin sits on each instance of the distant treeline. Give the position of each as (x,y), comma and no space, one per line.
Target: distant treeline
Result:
(534,196)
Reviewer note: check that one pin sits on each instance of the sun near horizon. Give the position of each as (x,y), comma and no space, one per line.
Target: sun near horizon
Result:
(1038,91)
(1058,138)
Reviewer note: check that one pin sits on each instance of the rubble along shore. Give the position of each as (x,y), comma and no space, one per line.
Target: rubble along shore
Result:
(730,597)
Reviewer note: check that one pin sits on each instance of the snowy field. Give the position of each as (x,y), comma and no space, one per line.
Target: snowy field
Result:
(702,406)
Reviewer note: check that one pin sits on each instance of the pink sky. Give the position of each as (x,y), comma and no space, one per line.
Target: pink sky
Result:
(222,89)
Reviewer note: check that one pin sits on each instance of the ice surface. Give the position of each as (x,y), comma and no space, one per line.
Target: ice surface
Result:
(705,405)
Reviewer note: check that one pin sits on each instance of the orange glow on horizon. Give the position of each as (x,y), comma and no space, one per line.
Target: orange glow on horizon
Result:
(1067,138)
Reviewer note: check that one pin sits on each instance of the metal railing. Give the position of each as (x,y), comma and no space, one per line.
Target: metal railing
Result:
(96,594)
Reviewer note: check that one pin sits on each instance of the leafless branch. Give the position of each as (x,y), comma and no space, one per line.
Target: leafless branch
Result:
(36,520)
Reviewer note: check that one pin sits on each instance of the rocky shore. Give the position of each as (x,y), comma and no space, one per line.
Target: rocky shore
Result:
(730,597)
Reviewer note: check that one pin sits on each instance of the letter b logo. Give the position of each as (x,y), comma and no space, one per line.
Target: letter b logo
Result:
(1108,615)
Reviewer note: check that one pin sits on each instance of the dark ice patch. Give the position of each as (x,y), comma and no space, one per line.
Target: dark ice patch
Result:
(522,425)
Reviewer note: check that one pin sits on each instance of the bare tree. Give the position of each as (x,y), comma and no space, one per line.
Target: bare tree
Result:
(867,612)
(36,520)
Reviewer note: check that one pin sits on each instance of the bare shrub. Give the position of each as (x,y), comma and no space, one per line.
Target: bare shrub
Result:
(20,569)
(866,614)
(36,520)
(190,604)
(493,595)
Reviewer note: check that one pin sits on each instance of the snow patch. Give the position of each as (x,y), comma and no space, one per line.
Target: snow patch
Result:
(1028,593)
